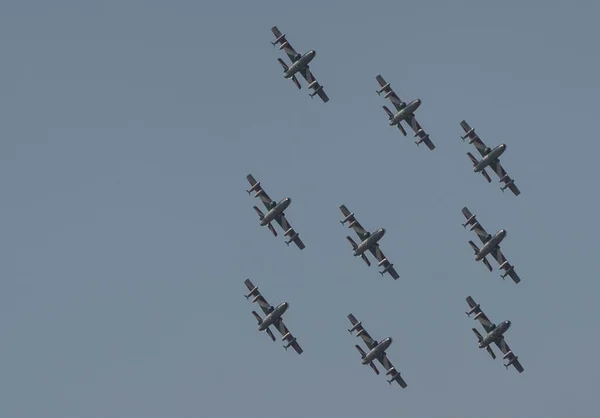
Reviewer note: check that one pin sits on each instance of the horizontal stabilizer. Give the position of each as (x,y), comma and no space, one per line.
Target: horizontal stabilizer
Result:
(270,334)
(401,128)
(477,334)
(259,212)
(351,241)
(257,316)
(283,64)
(473,159)
(296,82)
(388,111)
(487,264)
(474,246)
(366,260)
(374,368)
(360,350)
(491,352)
(272,229)
(486,175)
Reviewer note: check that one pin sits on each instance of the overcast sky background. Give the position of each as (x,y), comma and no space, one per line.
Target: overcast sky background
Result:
(127,130)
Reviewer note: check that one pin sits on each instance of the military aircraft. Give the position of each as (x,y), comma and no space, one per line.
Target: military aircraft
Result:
(369,241)
(491,245)
(376,352)
(274,212)
(273,317)
(405,112)
(299,65)
(489,159)
(495,334)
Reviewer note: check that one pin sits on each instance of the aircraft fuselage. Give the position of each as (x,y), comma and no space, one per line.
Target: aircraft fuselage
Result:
(405,112)
(271,318)
(490,157)
(277,210)
(377,351)
(299,64)
(489,246)
(369,242)
(495,334)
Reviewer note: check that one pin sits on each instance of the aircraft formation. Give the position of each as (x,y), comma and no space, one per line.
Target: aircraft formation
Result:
(369,242)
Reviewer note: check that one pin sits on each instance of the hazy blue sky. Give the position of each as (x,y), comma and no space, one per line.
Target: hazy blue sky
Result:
(128,127)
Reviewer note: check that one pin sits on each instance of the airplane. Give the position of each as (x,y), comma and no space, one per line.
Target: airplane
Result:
(495,334)
(377,351)
(299,65)
(273,317)
(489,159)
(405,112)
(491,245)
(369,241)
(275,212)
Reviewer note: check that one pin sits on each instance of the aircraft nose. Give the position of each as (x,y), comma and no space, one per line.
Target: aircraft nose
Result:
(503,146)
(313,52)
(382,231)
(504,233)
(390,339)
(288,199)
(286,305)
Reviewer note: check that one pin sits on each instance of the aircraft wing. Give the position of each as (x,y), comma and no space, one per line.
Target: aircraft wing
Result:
(289,231)
(258,298)
(509,270)
(473,138)
(354,224)
(480,316)
(505,178)
(287,336)
(483,235)
(362,332)
(391,371)
(313,83)
(260,192)
(390,93)
(509,355)
(284,44)
(419,132)
(383,262)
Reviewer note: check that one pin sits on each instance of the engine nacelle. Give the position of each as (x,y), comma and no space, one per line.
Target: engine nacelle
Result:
(419,132)
(472,310)
(351,224)
(382,262)
(286,336)
(505,265)
(504,178)
(382,89)
(279,39)
(388,94)
(256,298)
(355,327)
(258,193)
(389,266)
(392,371)
(508,184)
(252,292)
(317,90)
(508,354)
(288,232)
(469,132)
(511,361)
(284,45)
(478,315)
(361,332)
(347,218)
(508,271)
(313,84)
(475,225)
(471,219)
(253,188)
(292,238)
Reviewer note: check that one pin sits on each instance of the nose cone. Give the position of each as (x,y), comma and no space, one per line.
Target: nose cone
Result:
(382,231)
(507,324)
(390,340)
(418,102)
(312,53)
(503,233)
(288,200)
(286,305)
(503,147)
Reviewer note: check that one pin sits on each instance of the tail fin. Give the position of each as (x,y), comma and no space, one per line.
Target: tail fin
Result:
(354,245)
(360,350)
(257,316)
(486,175)
(283,64)
(388,111)
(296,82)
(474,160)
(259,212)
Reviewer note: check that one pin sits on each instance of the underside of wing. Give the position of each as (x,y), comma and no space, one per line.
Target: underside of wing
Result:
(289,232)
(508,355)
(480,315)
(287,336)
(361,332)
(313,84)
(353,222)
(505,178)
(284,44)
(257,297)
(259,191)
(389,93)
(391,371)
(473,138)
(420,133)
(384,262)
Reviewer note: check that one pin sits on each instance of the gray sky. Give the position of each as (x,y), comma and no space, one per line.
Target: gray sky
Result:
(128,128)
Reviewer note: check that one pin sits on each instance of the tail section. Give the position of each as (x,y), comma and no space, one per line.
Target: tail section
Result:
(257,316)
(283,64)
(388,111)
(354,245)
(474,160)
(296,82)
(360,350)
